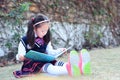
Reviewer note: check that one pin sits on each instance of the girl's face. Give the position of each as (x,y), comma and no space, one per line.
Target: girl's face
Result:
(42,30)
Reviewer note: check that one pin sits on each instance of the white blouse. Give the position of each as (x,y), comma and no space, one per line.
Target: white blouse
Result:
(49,50)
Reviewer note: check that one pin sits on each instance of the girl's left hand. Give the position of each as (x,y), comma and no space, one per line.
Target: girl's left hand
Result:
(63,49)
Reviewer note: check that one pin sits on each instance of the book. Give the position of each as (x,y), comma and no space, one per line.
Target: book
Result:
(62,52)
(37,56)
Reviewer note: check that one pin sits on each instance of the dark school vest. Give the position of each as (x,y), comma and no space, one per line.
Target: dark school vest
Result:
(37,47)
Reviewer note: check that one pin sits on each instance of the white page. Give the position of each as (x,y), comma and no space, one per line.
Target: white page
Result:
(62,52)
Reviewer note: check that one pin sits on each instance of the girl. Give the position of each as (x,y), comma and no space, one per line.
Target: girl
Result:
(38,39)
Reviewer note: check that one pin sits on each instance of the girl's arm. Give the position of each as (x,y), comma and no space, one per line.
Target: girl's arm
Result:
(52,51)
(21,52)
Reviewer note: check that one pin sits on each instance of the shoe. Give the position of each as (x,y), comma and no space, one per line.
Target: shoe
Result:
(20,74)
(72,66)
(84,63)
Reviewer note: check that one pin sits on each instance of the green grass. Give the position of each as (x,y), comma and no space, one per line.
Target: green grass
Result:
(105,65)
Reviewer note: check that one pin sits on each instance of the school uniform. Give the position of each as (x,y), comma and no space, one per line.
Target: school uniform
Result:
(29,66)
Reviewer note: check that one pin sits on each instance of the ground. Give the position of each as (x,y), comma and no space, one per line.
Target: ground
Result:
(104,63)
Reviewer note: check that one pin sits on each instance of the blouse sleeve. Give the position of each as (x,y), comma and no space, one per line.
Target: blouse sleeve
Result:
(21,50)
(52,51)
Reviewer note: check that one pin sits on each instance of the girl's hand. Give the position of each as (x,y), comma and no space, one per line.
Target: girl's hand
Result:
(63,49)
(21,57)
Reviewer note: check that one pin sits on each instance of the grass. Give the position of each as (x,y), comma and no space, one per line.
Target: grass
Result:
(104,63)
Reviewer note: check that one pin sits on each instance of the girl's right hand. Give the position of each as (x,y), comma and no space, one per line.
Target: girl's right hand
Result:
(21,57)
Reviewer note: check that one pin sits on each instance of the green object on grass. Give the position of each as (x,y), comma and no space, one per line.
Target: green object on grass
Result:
(37,56)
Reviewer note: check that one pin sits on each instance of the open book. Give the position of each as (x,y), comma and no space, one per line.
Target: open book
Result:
(37,56)
(62,52)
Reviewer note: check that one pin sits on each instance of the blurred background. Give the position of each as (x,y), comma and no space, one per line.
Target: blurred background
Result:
(74,23)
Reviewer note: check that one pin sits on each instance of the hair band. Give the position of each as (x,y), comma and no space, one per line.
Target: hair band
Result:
(40,22)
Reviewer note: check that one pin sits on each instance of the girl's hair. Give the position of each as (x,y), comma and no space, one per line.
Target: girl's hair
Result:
(35,22)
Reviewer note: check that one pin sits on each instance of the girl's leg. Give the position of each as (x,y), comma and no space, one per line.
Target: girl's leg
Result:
(60,63)
(55,70)
(77,64)
(71,67)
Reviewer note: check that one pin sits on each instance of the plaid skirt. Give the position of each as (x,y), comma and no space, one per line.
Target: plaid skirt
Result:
(30,67)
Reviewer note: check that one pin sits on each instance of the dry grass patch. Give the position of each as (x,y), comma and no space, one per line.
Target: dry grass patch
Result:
(104,63)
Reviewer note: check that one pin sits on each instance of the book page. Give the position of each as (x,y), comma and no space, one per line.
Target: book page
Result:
(62,52)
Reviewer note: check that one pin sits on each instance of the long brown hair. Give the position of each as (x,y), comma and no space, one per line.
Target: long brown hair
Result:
(30,31)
